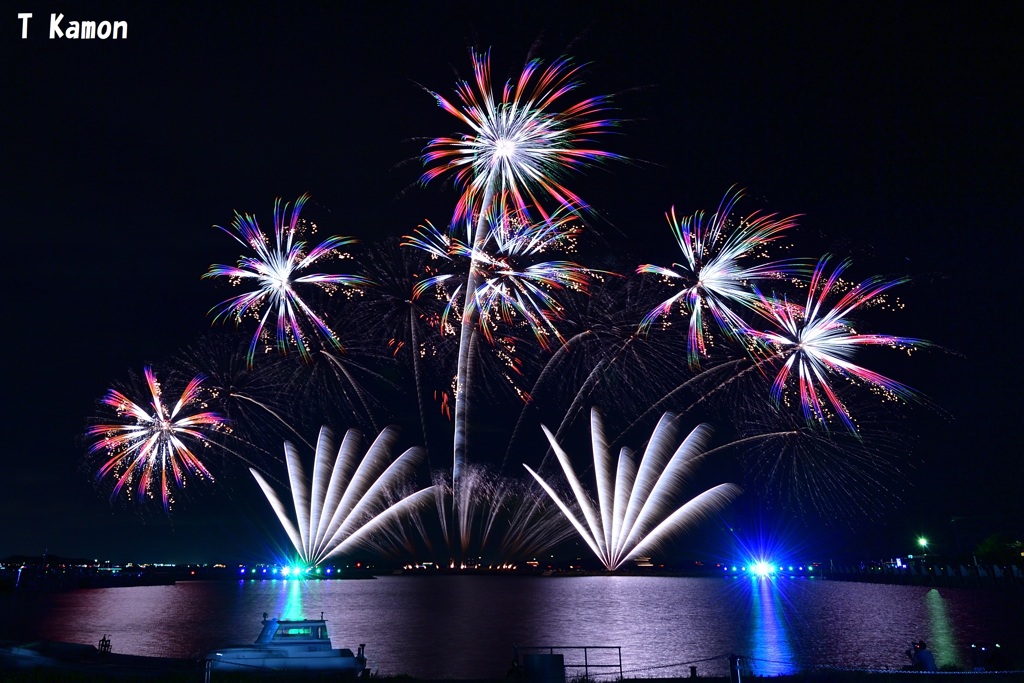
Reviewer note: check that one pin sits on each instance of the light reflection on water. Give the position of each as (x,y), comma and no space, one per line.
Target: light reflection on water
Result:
(770,651)
(465,626)
(942,639)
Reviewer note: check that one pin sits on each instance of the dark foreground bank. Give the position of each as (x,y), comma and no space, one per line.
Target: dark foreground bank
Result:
(815,676)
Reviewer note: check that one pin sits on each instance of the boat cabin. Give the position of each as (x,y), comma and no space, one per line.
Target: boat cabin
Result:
(294,632)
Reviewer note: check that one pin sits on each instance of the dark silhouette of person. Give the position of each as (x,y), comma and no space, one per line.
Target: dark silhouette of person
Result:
(921,657)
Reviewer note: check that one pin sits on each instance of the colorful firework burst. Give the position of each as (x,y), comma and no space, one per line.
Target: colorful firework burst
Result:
(522,140)
(715,274)
(153,448)
(816,343)
(276,270)
(512,284)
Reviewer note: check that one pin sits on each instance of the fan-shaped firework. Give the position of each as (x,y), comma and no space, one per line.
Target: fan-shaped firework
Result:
(349,497)
(817,343)
(715,274)
(276,270)
(520,142)
(150,449)
(636,503)
(513,283)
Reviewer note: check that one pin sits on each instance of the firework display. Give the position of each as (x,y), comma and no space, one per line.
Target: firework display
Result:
(521,143)
(498,307)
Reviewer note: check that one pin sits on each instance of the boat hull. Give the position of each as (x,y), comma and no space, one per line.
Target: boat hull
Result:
(276,659)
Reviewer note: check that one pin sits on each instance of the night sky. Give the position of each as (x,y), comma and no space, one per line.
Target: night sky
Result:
(892,128)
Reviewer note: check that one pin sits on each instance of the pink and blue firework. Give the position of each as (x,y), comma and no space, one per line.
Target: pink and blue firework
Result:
(276,271)
(521,141)
(153,448)
(512,284)
(816,343)
(716,273)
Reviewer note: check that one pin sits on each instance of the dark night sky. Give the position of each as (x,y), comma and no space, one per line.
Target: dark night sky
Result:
(891,126)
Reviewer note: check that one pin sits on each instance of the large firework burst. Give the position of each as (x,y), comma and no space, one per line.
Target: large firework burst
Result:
(520,142)
(816,342)
(276,270)
(150,450)
(717,272)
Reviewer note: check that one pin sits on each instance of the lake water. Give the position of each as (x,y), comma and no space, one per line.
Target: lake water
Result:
(465,626)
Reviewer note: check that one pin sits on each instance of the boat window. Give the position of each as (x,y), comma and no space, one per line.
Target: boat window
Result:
(295,632)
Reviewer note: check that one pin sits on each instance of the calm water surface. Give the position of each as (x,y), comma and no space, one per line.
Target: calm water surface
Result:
(465,626)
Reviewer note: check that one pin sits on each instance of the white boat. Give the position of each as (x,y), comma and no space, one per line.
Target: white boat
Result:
(290,645)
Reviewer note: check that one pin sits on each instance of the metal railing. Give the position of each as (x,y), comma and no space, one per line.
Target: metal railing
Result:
(592,661)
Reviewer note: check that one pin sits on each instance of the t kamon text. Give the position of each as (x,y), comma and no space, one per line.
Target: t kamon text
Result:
(78,30)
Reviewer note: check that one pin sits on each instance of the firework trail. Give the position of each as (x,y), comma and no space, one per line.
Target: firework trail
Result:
(553,363)
(499,520)
(693,391)
(715,275)
(348,500)
(276,270)
(815,343)
(151,449)
(355,388)
(636,502)
(602,354)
